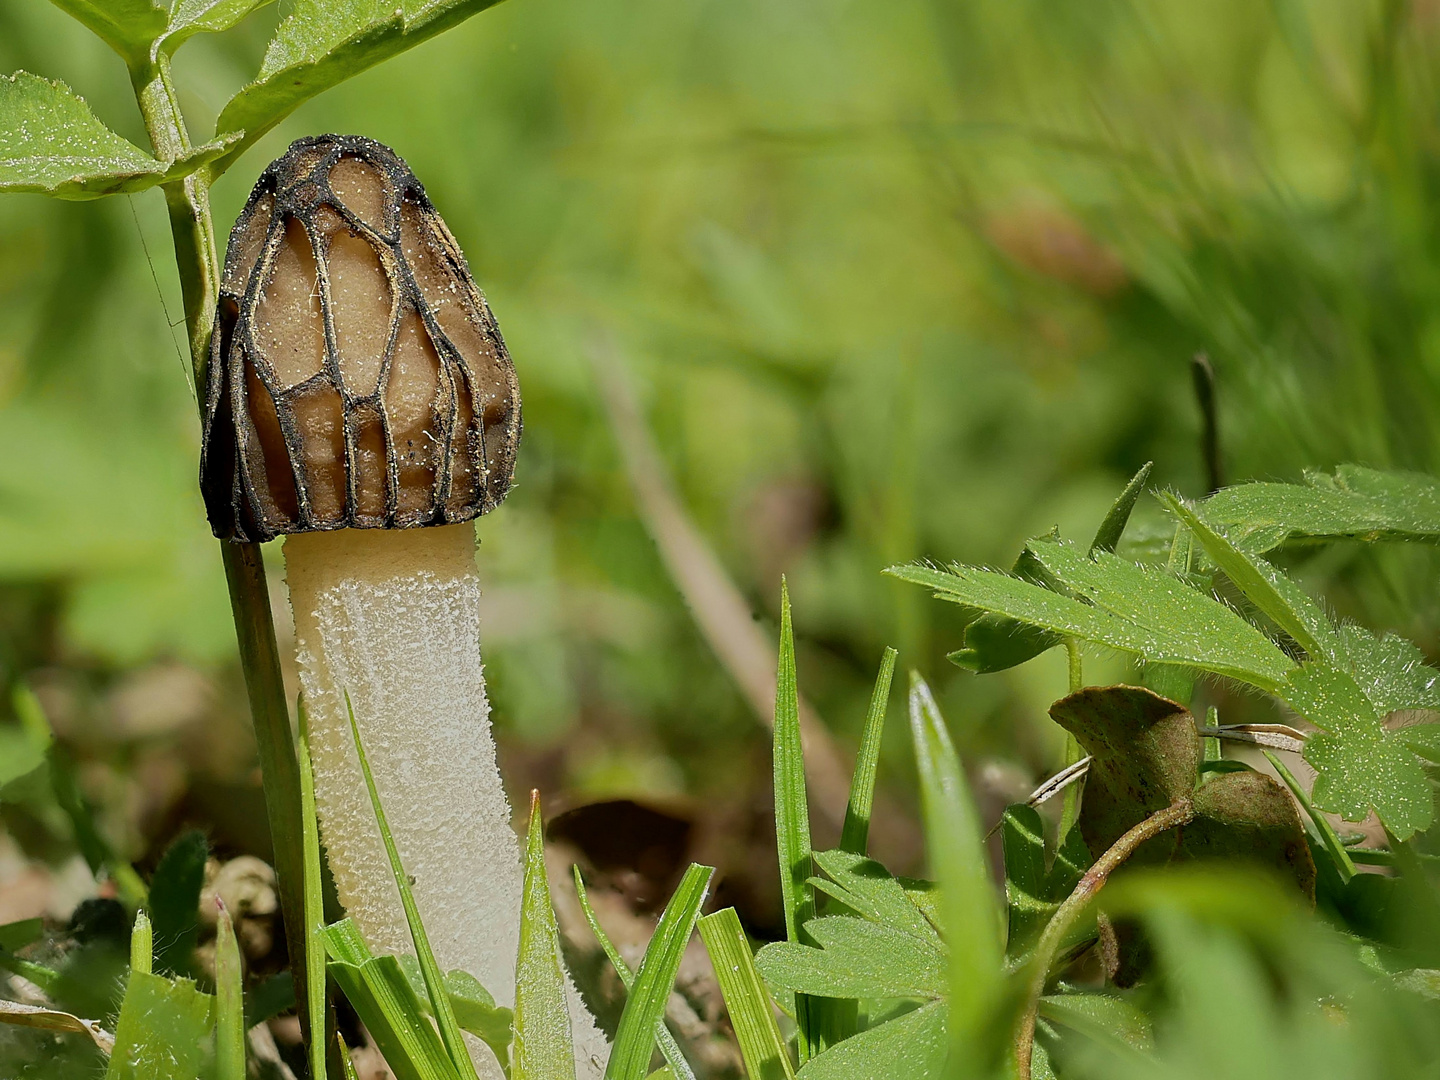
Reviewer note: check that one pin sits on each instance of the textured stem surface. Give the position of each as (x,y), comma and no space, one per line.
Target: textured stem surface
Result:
(392,618)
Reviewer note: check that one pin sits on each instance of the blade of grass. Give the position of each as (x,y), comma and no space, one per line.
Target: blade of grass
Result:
(543,1047)
(141,944)
(1344,865)
(345,1060)
(679,1067)
(645,1007)
(387,1005)
(855,836)
(792,817)
(971,912)
(313,900)
(752,1013)
(229,1001)
(441,1008)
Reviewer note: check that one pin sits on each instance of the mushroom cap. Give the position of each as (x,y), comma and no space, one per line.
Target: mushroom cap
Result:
(356,377)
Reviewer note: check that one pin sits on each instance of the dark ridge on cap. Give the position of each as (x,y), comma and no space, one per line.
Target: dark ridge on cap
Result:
(356,377)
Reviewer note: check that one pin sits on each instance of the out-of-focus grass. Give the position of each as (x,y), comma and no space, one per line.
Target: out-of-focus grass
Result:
(901,280)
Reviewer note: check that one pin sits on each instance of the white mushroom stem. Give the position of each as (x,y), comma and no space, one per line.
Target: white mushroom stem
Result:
(392,617)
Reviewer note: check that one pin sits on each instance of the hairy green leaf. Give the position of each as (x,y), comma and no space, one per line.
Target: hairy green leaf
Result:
(867,889)
(163,1032)
(1130,608)
(52,144)
(127,26)
(1356,503)
(321,43)
(1361,766)
(995,642)
(855,958)
(192,17)
(910,1047)
(543,1046)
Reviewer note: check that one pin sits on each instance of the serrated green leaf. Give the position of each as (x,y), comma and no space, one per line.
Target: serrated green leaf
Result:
(1390,670)
(127,26)
(1423,739)
(855,958)
(867,889)
(996,642)
(321,43)
(910,1047)
(164,1030)
(192,17)
(388,1006)
(1281,600)
(1356,503)
(543,1046)
(474,1007)
(1361,766)
(1182,624)
(52,144)
(1101,1016)
(751,1010)
(1134,609)
(645,1005)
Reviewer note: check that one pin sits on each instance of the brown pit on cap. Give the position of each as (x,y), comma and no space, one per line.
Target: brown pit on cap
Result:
(357,378)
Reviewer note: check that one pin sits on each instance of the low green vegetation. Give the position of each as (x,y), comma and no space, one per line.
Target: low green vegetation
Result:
(1236,873)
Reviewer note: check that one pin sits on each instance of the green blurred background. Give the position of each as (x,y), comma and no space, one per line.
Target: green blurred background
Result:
(892,280)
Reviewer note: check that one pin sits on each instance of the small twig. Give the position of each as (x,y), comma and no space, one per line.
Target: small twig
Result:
(1176,814)
(1204,375)
(1270,736)
(1059,782)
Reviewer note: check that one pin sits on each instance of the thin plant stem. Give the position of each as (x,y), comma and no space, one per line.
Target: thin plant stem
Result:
(1061,923)
(1070,808)
(198,262)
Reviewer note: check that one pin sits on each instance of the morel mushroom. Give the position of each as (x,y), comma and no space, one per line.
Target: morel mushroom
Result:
(361,402)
